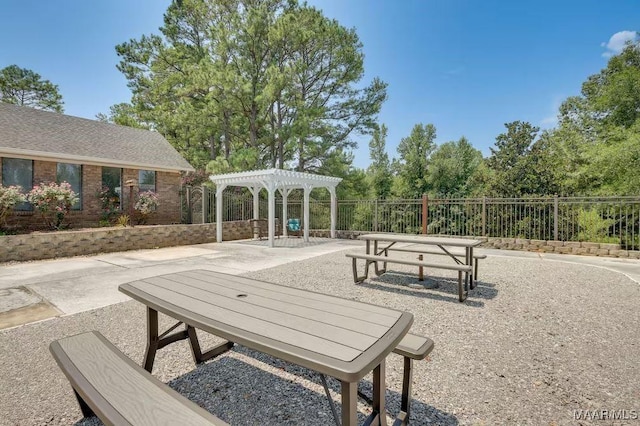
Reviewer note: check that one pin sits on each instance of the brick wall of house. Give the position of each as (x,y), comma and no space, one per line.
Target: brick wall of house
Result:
(167,188)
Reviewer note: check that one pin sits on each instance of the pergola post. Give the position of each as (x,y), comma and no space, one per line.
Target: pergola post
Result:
(334,210)
(285,193)
(271,191)
(307,192)
(219,189)
(255,191)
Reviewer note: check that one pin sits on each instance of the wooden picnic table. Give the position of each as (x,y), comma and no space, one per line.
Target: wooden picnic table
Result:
(331,335)
(444,243)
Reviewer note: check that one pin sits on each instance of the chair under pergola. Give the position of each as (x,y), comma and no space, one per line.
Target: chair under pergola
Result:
(274,180)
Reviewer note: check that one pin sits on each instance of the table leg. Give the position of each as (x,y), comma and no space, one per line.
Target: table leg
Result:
(405,403)
(152,339)
(472,278)
(349,403)
(379,388)
(198,356)
(468,275)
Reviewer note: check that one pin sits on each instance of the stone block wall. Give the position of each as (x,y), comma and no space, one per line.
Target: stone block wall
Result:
(563,247)
(47,245)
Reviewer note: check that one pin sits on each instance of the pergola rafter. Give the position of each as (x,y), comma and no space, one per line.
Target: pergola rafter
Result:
(276,180)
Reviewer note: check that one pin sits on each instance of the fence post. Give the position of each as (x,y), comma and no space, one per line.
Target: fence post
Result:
(205,204)
(425,213)
(555,217)
(484,216)
(188,195)
(375,216)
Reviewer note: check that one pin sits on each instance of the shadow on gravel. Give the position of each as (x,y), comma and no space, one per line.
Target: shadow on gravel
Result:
(243,394)
(421,413)
(435,288)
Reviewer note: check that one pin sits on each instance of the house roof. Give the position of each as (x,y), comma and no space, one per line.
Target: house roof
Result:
(51,136)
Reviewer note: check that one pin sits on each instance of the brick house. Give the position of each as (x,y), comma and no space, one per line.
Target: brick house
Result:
(40,146)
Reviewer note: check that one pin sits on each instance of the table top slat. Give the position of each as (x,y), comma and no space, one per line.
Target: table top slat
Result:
(323,355)
(247,322)
(346,321)
(269,313)
(333,304)
(422,239)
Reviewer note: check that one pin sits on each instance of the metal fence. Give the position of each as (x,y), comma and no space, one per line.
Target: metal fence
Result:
(595,219)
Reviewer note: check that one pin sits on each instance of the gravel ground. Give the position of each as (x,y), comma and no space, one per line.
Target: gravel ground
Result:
(535,341)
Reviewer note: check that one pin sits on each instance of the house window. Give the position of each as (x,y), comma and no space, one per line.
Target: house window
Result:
(17,171)
(71,173)
(112,180)
(147,180)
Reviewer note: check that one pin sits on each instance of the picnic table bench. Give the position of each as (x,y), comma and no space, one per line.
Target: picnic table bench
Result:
(460,255)
(375,254)
(110,385)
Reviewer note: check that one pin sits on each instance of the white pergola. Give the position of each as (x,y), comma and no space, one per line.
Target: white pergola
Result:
(276,180)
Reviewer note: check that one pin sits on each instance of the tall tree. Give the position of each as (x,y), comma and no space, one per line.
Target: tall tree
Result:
(21,86)
(508,159)
(613,93)
(379,171)
(123,114)
(596,132)
(411,167)
(270,79)
(451,168)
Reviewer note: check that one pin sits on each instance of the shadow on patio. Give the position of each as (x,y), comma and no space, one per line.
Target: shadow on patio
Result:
(287,242)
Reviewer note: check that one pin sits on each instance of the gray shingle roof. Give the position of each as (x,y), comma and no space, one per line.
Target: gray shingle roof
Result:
(43,134)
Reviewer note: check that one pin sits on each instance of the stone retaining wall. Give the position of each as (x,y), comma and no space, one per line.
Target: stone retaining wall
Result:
(49,245)
(564,247)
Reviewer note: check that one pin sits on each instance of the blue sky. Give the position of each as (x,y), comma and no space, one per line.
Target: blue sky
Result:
(466,66)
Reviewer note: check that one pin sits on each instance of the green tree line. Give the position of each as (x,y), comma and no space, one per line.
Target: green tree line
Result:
(594,149)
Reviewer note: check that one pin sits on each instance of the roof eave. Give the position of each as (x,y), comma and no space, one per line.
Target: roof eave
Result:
(106,162)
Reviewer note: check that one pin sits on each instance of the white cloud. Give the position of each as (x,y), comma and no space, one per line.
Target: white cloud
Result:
(617,42)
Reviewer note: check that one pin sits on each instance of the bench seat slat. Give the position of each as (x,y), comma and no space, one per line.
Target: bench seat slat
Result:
(119,391)
(371,257)
(417,251)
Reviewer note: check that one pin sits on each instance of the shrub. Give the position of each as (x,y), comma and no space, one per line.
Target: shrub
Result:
(123,220)
(53,201)
(9,197)
(146,205)
(110,205)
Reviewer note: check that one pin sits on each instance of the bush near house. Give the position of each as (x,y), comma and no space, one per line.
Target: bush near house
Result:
(53,201)
(10,196)
(145,206)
